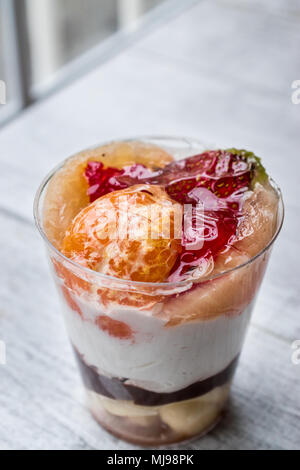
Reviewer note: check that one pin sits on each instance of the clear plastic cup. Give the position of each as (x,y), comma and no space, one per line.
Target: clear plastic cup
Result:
(151,377)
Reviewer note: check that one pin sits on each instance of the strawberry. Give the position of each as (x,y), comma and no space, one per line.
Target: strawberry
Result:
(217,179)
(221,172)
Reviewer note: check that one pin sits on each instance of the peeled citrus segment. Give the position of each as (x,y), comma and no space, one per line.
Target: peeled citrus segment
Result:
(227,295)
(69,278)
(129,234)
(107,297)
(67,190)
(114,328)
(69,298)
(70,285)
(146,251)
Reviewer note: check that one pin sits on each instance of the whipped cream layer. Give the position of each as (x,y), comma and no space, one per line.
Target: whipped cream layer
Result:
(157,358)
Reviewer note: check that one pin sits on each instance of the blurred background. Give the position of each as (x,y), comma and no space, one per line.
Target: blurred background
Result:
(48,43)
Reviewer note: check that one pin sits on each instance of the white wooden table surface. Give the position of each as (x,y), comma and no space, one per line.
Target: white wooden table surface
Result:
(221,71)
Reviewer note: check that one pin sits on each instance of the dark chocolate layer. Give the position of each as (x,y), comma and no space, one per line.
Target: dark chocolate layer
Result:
(120,390)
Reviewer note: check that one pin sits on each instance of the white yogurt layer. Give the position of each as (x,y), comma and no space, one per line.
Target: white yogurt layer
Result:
(158,358)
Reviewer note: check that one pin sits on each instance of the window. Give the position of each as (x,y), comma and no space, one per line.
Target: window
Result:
(9,75)
(1,42)
(62,30)
(47,43)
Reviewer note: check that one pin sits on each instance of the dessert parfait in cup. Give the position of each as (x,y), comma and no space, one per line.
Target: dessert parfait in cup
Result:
(158,248)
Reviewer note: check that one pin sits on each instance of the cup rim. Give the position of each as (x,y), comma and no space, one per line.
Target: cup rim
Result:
(104,277)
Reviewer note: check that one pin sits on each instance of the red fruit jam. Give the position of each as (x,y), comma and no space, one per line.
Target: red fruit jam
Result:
(212,184)
(103,180)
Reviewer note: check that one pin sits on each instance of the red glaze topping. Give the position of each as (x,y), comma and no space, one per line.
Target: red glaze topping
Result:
(103,180)
(212,183)
(217,179)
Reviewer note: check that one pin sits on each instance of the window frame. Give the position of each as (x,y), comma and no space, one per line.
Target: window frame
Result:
(110,47)
(17,52)
(13,78)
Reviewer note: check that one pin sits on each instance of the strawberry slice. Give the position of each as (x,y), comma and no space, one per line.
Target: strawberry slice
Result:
(221,172)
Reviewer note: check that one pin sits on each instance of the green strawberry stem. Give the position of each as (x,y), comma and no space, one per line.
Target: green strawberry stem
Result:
(259,173)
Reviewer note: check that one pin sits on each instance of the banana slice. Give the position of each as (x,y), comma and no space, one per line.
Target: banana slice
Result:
(188,417)
(194,416)
(122,407)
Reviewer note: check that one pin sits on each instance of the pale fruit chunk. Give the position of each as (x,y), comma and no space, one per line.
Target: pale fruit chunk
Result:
(120,154)
(231,293)
(66,195)
(67,190)
(124,408)
(259,223)
(195,416)
(228,295)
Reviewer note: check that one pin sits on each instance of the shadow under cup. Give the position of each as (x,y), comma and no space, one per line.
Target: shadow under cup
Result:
(151,377)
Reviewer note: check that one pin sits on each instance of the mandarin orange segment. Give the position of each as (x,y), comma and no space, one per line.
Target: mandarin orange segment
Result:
(67,190)
(139,260)
(115,328)
(129,299)
(70,300)
(121,234)
(70,279)
(127,234)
